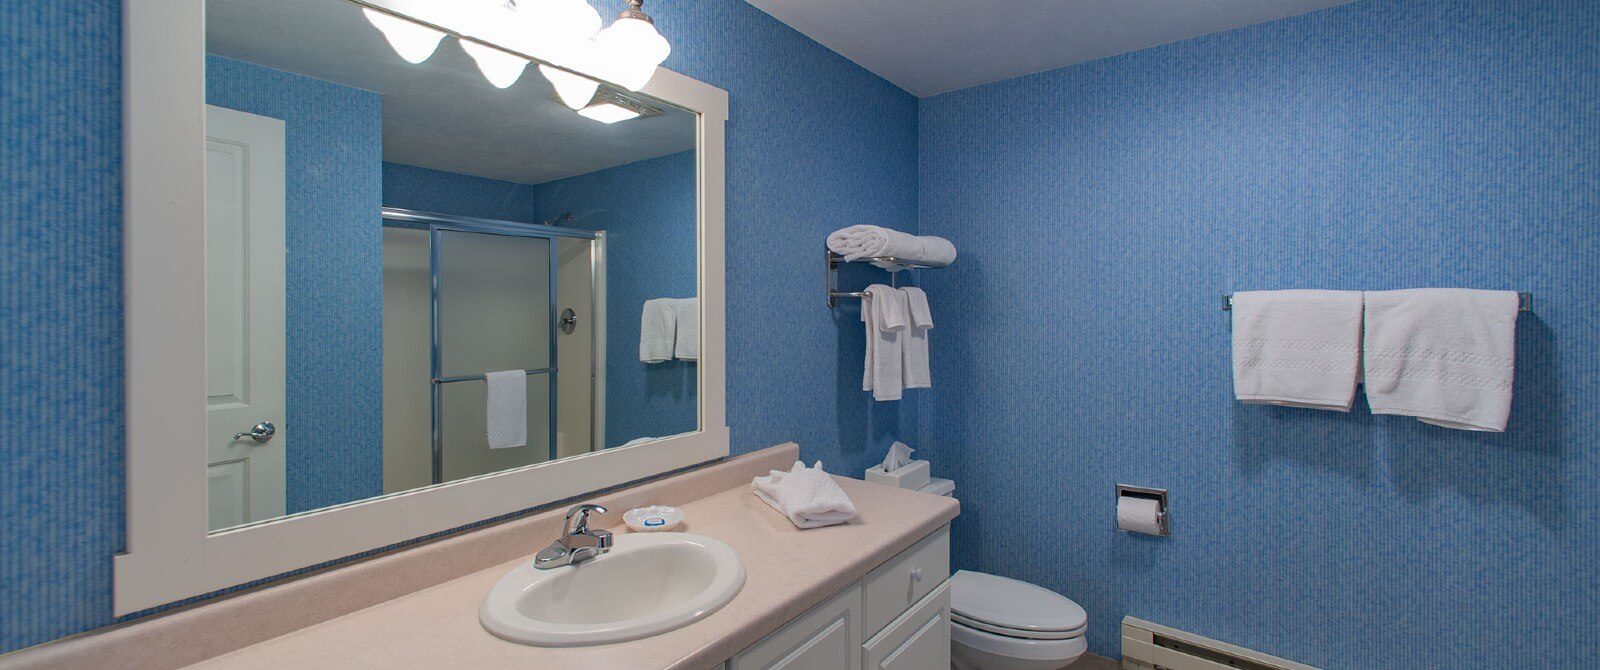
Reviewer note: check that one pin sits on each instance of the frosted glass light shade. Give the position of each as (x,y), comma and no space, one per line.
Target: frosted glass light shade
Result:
(413,41)
(632,49)
(575,91)
(500,68)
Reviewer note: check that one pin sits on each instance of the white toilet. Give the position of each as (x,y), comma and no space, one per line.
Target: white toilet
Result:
(1003,624)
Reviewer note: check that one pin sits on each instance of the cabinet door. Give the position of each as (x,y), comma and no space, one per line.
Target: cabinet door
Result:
(916,640)
(826,638)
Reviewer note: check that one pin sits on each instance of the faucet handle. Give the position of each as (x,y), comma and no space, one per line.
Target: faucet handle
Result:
(582,513)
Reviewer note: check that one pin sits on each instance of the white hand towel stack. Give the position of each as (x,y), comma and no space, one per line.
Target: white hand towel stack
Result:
(1445,356)
(857,242)
(1296,348)
(914,348)
(883,312)
(808,496)
(658,327)
(669,328)
(507,408)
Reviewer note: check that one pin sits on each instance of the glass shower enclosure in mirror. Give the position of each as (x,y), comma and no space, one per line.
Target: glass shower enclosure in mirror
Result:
(389,244)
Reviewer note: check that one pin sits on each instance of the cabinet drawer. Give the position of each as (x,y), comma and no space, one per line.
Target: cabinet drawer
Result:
(893,587)
(828,637)
(917,640)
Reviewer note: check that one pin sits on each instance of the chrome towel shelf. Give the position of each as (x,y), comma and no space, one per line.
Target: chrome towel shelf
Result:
(831,279)
(1524,302)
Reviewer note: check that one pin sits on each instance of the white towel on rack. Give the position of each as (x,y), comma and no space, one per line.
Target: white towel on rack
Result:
(658,327)
(857,242)
(883,313)
(507,408)
(1296,348)
(914,348)
(686,315)
(1445,356)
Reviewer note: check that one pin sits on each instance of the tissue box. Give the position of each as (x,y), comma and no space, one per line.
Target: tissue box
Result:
(913,476)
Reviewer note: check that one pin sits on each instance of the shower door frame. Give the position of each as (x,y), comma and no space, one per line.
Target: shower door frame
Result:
(437,223)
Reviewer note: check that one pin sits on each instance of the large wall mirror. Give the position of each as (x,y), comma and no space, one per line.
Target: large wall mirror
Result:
(423,270)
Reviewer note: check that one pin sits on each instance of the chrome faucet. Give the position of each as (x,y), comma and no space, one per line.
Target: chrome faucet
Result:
(577,543)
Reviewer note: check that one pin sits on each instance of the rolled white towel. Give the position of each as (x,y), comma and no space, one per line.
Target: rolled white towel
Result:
(808,496)
(858,242)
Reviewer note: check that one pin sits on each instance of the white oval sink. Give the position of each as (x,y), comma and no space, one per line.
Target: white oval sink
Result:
(649,583)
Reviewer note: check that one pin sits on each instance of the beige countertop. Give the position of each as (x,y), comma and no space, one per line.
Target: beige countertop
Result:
(787,572)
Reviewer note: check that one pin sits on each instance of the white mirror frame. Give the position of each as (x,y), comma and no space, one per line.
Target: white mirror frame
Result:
(170,555)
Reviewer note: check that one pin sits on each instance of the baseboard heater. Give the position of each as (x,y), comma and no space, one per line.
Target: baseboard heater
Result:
(1152,646)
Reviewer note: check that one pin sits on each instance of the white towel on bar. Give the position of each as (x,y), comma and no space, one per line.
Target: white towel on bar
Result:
(808,496)
(1445,356)
(507,404)
(686,315)
(1296,348)
(883,313)
(914,345)
(658,328)
(857,242)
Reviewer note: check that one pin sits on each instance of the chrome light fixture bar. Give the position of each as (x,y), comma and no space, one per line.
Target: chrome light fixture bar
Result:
(626,53)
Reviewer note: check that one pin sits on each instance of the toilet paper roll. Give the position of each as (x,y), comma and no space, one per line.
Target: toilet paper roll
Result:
(1138,515)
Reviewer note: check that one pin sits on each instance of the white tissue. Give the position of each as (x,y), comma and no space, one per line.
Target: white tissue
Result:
(898,457)
(1138,515)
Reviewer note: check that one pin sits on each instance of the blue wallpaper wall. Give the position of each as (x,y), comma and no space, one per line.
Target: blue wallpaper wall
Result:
(334,269)
(647,209)
(61,487)
(1102,209)
(814,143)
(429,190)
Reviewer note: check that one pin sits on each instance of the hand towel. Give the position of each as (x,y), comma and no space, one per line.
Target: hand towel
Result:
(507,412)
(808,496)
(1296,348)
(658,328)
(857,242)
(1445,356)
(883,312)
(686,314)
(914,347)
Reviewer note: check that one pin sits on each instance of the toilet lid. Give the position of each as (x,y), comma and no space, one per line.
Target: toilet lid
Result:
(1007,604)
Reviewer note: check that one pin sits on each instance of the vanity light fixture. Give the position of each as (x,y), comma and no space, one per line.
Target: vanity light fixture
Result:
(575,91)
(632,48)
(413,41)
(627,52)
(501,68)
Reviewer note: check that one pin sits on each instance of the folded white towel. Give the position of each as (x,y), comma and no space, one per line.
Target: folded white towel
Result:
(686,314)
(808,496)
(507,408)
(857,242)
(883,312)
(658,327)
(914,345)
(1296,348)
(1445,356)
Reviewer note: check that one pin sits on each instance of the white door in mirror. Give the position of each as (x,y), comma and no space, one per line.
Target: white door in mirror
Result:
(646,585)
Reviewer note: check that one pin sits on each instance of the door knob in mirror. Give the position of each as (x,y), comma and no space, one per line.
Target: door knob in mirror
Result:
(262,433)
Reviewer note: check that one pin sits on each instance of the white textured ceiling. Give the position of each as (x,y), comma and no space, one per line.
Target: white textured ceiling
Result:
(440,114)
(930,47)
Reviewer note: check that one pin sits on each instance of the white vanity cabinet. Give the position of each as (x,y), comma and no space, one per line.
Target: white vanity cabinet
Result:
(896,618)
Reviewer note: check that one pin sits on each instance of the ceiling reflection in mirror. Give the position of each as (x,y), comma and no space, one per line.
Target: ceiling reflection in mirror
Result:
(423,272)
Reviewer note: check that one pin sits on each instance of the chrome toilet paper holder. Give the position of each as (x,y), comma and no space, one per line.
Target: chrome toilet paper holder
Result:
(1163,518)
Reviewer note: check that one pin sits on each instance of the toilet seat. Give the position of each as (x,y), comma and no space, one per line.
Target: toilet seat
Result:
(1010,608)
(1012,632)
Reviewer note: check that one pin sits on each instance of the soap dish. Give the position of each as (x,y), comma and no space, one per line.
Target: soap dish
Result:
(653,519)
